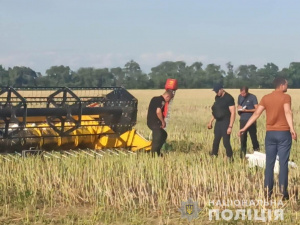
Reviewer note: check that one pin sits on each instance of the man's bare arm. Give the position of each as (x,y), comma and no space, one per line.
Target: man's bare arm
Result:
(161,117)
(289,118)
(209,125)
(252,119)
(232,118)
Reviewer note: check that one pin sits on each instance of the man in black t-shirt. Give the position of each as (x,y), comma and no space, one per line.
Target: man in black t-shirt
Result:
(224,114)
(156,121)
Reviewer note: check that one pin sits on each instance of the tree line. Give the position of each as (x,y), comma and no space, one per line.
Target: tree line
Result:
(131,76)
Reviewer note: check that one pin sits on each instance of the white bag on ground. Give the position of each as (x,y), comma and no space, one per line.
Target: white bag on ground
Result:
(259,159)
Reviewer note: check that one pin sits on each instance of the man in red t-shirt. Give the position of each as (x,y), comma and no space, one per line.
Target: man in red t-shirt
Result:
(279,135)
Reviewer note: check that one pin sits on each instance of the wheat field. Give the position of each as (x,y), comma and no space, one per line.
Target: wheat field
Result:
(139,189)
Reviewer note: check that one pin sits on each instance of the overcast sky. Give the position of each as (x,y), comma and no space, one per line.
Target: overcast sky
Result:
(96,33)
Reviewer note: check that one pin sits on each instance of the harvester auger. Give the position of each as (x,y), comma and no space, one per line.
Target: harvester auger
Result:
(68,118)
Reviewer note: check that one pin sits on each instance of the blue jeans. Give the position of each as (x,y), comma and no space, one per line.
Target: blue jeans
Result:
(277,143)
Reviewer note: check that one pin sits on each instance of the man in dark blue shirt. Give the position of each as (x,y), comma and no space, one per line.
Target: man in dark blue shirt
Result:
(247,104)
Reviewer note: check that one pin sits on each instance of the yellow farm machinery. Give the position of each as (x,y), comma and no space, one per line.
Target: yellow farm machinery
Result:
(68,118)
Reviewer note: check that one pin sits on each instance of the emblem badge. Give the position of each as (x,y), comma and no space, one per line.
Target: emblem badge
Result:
(189,210)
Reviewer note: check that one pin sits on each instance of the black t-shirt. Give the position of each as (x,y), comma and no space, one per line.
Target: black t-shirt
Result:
(224,102)
(152,119)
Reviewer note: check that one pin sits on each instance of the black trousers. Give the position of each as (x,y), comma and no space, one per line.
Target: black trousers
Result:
(159,136)
(220,131)
(252,131)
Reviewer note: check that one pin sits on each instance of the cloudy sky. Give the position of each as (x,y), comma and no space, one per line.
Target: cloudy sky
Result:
(97,33)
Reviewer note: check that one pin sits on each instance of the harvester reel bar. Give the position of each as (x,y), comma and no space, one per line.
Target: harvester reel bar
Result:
(63,103)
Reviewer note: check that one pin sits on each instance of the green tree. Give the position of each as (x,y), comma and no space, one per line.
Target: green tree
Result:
(84,77)
(214,74)
(103,78)
(267,74)
(60,76)
(134,77)
(247,76)
(198,78)
(230,80)
(119,76)
(21,76)
(175,70)
(4,76)
(159,74)
(294,74)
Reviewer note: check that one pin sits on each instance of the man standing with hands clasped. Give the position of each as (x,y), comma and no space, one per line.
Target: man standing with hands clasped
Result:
(279,135)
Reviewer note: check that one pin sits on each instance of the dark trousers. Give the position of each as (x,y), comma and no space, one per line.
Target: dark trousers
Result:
(277,143)
(252,131)
(159,136)
(220,131)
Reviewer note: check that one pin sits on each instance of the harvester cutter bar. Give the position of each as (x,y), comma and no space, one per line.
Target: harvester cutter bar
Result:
(64,154)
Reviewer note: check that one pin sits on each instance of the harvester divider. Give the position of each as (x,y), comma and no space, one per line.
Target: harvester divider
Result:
(17,153)
(121,152)
(96,153)
(13,157)
(51,155)
(112,152)
(5,158)
(86,152)
(71,154)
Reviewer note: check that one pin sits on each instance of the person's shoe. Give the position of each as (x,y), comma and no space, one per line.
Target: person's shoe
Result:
(212,154)
(267,194)
(243,153)
(230,159)
(243,156)
(285,198)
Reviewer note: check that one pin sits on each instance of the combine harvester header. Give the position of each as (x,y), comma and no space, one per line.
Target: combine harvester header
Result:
(69,118)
